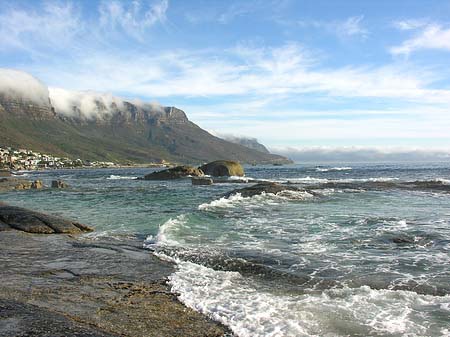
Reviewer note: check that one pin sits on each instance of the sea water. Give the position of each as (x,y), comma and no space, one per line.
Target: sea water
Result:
(358,251)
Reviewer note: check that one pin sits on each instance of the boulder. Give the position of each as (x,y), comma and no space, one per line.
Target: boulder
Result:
(11,184)
(202,181)
(223,168)
(22,219)
(37,184)
(263,187)
(59,184)
(175,173)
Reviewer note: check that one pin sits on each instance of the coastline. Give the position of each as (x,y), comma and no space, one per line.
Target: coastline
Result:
(53,284)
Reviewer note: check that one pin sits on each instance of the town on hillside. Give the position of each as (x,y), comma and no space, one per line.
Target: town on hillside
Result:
(23,159)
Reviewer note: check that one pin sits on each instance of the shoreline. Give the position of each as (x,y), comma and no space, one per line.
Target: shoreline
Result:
(61,283)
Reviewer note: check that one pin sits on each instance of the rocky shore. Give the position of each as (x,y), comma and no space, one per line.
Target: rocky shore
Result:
(61,285)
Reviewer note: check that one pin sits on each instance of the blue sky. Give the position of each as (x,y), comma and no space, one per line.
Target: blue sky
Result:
(294,74)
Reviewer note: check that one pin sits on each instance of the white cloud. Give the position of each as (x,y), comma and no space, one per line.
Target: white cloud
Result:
(18,84)
(132,17)
(352,27)
(432,36)
(410,24)
(321,154)
(53,26)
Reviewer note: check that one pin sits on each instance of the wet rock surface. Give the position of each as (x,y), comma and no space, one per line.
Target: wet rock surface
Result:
(174,173)
(62,286)
(22,219)
(202,181)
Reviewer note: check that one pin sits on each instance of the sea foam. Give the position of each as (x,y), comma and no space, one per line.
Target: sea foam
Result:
(248,311)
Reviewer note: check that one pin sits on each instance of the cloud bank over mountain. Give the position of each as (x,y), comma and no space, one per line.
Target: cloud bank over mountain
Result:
(20,85)
(317,154)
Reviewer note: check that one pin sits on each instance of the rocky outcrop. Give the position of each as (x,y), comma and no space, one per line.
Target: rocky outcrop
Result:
(263,187)
(59,184)
(202,181)
(11,184)
(223,168)
(90,288)
(175,173)
(22,219)
(37,185)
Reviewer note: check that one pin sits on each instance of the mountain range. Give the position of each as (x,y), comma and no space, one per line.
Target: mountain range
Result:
(94,126)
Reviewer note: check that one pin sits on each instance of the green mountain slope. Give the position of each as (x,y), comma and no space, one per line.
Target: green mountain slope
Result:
(131,134)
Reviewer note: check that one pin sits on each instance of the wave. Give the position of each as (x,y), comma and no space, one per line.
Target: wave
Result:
(260,199)
(163,238)
(116,177)
(331,169)
(249,311)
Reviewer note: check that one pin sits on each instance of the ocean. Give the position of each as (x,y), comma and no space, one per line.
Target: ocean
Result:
(363,250)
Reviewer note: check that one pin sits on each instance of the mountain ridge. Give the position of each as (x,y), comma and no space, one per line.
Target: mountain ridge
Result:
(102,127)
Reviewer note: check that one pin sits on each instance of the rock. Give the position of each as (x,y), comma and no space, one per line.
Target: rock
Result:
(59,184)
(11,184)
(223,168)
(175,173)
(37,184)
(34,222)
(264,187)
(5,173)
(202,181)
(83,287)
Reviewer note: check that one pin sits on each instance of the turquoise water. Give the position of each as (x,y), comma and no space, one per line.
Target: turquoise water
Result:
(358,253)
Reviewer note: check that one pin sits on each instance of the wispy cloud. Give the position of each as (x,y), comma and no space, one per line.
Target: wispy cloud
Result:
(53,26)
(430,36)
(132,17)
(264,72)
(410,24)
(351,27)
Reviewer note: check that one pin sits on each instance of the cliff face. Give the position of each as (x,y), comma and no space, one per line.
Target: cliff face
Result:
(19,107)
(117,131)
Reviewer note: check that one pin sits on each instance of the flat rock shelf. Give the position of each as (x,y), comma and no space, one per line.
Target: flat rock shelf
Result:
(56,285)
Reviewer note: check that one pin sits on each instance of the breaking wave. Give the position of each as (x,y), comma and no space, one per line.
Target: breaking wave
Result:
(117,177)
(331,169)
(259,199)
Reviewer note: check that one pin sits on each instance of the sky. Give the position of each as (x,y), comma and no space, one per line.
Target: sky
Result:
(294,74)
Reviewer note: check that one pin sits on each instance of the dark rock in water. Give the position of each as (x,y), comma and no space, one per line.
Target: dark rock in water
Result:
(403,240)
(59,184)
(37,185)
(11,184)
(202,181)
(175,173)
(223,168)
(5,173)
(264,187)
(428,185)
(34,222)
